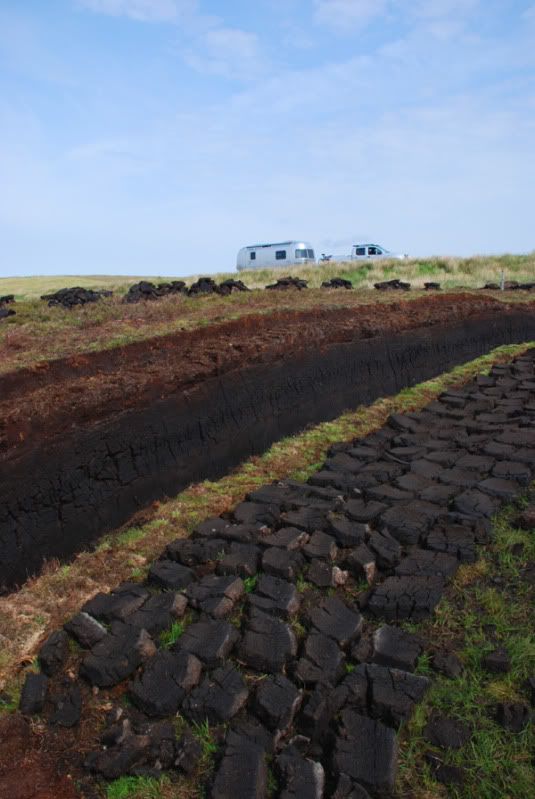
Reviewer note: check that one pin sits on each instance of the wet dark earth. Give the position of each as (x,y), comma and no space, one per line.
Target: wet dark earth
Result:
(279,625)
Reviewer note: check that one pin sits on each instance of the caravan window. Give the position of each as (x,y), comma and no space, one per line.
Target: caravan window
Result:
(301,253)
(280,255)
(310,253)
(252,256)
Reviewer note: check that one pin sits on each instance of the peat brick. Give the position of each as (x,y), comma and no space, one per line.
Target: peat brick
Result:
(166,679)
(512,716)
(289,538)
(364,512)
(366,751)
(168,574)
(86,630)
(274,595)
(117,656)
(425,563)
(447,663)
(210,641)
(334,619)
(159,612)
(67,707)
(33,696)
(241,559)
(392,693)
(243,771)
(396,648)
(299,777)
(347,789)
(323,660)
(476,503)
(117,605)
(257,514)
(498,487)
(400,598)
(406,525)
(388,494)
(321,574)
(346,533)
(218,698)
(446,733)
(321,545)
(306,519)
(386,549)
(282,563)
(196,552)
(497,661)
(511,470)
(268,644)
(453,539)
(215,595)
(276,702)
(54,652)
(119,761)
(361,563)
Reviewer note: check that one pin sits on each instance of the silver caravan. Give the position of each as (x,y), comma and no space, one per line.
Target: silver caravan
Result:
(285,253)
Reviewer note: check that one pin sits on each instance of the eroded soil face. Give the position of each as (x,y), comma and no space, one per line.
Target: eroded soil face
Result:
(57,396)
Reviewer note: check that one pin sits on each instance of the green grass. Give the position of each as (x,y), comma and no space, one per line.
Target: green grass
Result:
(136,788)
(496,762)
(171,636)
(205,736)
(250,583)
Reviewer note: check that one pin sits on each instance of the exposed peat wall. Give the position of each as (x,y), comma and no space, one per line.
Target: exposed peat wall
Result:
(57,499)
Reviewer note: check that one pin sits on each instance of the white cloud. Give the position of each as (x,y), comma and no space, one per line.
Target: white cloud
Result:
(230,52)
(142,10)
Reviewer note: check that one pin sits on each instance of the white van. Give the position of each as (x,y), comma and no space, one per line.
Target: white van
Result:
(272,256)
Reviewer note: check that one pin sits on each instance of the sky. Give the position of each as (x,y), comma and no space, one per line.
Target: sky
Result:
(157,137)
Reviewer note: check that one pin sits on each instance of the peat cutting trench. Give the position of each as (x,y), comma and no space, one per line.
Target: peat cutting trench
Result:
(63,486)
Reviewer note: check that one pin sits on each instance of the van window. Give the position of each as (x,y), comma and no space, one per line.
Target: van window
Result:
(360,251)
(252,256)
(301,253)
(373,251)
(280,255)
(310,253)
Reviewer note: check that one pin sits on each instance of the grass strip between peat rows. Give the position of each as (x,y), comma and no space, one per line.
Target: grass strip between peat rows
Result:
(48,600)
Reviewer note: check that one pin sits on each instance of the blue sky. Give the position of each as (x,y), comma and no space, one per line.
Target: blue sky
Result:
(159,136)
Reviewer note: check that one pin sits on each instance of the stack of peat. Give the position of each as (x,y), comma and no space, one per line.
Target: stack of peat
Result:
(392,285)
(6,299)
(70,297)
(284,283)
(283,652)
(337,283)
(145,290)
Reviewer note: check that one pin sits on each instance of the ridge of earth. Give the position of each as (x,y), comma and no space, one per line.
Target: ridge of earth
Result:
(53,397)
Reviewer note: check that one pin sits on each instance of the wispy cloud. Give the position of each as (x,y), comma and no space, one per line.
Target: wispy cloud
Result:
(347,15)
(142,10)
(229,52)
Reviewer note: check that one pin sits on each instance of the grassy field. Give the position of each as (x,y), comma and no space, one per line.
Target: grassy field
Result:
(38,332)
(451,272)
